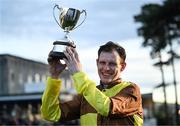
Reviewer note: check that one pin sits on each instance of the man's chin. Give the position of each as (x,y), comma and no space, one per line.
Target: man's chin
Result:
(106,81)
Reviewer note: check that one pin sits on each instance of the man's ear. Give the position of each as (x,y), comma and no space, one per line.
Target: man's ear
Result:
(123,66)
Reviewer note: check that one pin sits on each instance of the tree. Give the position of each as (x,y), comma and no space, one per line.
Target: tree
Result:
(161,25)
(153,37)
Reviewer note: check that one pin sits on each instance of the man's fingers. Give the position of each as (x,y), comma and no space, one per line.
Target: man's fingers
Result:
(75,54)
(66,54)
(50,59)
(69,51)
(66,62)
(61,67)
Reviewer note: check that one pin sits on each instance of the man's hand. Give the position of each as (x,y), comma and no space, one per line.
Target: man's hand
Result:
(73,63)
(55,66)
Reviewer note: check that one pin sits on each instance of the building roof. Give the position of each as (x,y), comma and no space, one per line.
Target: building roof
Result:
(21,58)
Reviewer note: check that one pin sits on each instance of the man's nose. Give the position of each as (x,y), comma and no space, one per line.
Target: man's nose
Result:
(106,67)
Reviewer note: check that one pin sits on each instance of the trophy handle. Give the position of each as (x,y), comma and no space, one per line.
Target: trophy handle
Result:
(85,15)
(56,6)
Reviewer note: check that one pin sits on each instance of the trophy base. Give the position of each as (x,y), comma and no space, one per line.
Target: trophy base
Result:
(65,43)
(59,46)
(57,55)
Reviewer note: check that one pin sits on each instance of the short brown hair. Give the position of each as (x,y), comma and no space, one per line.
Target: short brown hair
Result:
(110,46)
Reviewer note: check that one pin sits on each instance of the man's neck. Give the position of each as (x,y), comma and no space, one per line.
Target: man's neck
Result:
(111,84)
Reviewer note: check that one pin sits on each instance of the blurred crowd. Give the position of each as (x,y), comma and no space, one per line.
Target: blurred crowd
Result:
(26,115)
(18,115)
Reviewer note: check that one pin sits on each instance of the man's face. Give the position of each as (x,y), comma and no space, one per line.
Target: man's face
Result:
(109,66)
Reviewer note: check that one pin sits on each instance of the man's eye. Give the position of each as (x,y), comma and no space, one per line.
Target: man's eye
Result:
(102,63)
(112,64)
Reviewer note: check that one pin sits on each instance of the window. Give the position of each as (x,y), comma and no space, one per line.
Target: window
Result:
(29,79)
(37,78)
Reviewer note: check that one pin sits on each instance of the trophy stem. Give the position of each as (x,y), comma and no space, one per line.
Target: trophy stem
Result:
(66,29)
(67,36)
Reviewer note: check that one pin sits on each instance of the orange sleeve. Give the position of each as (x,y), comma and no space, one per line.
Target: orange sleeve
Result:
(127,102)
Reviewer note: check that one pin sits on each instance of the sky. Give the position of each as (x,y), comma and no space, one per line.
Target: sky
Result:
(28,30)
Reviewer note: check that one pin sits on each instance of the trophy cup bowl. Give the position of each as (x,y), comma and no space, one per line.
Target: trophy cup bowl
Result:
(68,19)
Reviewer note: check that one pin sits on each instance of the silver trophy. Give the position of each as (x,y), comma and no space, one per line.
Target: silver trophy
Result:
(68,18)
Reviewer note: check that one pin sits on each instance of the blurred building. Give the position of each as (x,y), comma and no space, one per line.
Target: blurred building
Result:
(148,110)
(22,82)
(148,106)
(19,75)
(159,104)
(154,106)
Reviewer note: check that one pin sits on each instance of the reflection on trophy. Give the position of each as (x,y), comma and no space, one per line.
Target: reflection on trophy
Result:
(68,18)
